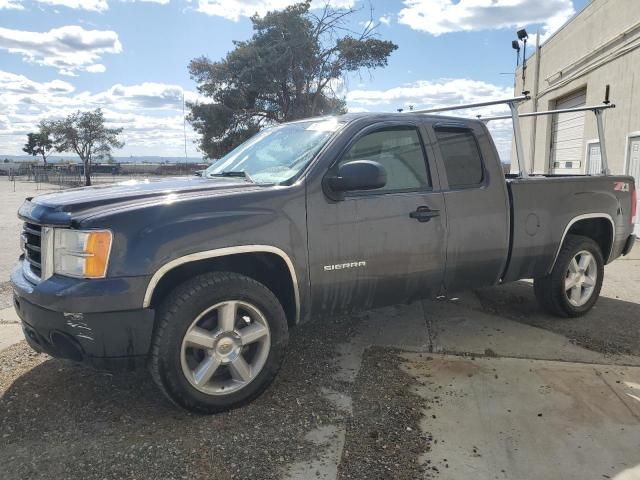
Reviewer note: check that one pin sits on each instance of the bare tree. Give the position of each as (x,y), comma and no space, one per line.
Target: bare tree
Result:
(85,134)
(40,143)
(286,71)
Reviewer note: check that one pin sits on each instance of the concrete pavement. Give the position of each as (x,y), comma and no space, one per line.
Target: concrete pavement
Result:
(501,398)
(528,419)
(461,327)
(10,329)
(10,334)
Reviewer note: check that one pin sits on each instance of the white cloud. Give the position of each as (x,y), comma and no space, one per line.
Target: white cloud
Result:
(69,49)
(385,19)
(11,4)
(234,9)
(552,25)
(144,95)
(444,16)
(91,5)
(426,93)
(502,133)
(150,113)
(17,84)
(96,68)
(160,2)
(437,93)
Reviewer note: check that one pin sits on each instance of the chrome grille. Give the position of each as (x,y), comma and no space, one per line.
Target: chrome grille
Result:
(32,243)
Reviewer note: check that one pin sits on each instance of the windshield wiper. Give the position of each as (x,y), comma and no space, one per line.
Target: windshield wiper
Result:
(233,173)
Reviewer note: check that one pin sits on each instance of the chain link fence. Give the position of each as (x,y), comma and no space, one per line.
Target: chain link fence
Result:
(68,176)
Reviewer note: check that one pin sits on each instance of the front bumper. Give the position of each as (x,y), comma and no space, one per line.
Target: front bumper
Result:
(112,339)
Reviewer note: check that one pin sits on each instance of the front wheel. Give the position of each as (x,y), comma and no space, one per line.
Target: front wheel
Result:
(219,342)
(573,286)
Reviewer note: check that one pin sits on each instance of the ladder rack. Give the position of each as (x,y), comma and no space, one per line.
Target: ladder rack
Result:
(513,103)
(448,108)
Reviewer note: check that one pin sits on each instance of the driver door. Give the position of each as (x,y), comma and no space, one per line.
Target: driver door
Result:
(376,247)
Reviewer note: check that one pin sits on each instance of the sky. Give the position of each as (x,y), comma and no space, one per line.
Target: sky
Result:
(130,58)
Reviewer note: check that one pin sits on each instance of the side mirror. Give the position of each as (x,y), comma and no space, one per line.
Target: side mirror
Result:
(358,175)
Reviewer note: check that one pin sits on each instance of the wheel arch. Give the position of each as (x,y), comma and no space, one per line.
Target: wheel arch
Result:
(600,227)
(267,264)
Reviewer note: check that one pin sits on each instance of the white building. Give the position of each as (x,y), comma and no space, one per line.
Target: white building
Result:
(600,46)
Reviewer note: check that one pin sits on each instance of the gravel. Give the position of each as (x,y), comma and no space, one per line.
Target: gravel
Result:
(383,437)
(61,420)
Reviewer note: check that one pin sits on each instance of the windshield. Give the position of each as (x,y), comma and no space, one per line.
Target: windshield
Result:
(276,154)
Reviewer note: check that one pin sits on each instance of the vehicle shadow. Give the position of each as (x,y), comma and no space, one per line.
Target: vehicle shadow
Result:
(611,327)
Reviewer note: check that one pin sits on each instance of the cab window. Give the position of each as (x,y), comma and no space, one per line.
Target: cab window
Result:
(399,150)
(461,157)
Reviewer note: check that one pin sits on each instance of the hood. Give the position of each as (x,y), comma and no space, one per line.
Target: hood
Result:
(57,208)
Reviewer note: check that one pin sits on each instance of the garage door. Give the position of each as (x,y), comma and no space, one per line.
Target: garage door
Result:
(567,134)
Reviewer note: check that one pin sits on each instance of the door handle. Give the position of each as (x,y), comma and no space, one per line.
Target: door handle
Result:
(424,214)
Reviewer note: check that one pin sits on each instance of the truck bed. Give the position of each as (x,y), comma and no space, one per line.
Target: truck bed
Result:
(543,209)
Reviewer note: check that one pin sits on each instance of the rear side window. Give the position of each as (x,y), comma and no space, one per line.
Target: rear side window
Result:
(461,156)
(399,151)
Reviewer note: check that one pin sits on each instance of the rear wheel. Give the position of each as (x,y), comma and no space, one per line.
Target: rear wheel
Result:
(219,342)
(573,286)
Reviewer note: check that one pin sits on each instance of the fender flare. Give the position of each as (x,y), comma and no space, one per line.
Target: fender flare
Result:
(223,252)
(586,216)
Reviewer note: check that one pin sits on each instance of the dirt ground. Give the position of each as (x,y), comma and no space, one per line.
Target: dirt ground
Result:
(457,388)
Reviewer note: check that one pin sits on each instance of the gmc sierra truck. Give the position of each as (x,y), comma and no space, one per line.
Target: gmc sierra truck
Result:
(201,278)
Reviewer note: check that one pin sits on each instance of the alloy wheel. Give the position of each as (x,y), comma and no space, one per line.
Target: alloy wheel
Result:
(580,279)
(225,347)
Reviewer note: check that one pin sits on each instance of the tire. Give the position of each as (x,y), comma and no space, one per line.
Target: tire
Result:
(576,301)
(203,328)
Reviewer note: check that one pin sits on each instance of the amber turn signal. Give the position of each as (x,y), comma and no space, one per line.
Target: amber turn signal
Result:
(97,248)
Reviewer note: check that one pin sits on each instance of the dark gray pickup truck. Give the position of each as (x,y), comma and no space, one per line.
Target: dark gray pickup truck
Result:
(201,278)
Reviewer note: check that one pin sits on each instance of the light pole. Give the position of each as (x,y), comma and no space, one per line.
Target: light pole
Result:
(516,46)
(523,36)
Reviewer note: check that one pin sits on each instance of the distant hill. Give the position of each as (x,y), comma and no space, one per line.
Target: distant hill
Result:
(131,159)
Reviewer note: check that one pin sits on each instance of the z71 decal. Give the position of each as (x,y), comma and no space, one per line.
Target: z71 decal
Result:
(621,186)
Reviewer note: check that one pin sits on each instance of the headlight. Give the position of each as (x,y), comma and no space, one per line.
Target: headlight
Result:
(84,254)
